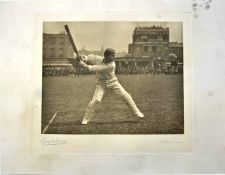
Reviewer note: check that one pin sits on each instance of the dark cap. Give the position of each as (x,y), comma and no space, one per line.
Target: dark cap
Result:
(109,51)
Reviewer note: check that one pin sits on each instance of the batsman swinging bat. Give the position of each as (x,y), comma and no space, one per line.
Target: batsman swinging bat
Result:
(71,39)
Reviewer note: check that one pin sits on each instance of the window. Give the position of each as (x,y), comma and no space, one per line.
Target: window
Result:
(160,38)
(149,49)
(154,49)
(52,40)
(144,38)
(153,36)
(52,52)
(61,41)
(61,52)
(165,37)
(145,48)
(159,49)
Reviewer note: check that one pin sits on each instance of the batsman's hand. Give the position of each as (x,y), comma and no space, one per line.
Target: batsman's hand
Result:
(78,58)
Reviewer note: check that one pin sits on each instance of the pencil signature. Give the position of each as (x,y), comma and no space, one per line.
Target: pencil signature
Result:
(169,141)
(53,141)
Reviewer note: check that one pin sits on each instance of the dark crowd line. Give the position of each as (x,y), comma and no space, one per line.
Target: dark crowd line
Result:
(135,70)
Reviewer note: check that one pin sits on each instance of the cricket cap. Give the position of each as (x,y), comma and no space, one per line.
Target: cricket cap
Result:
(109,51)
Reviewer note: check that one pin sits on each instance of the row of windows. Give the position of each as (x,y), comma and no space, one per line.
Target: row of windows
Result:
(54,40)
(151,49)
(52,52)
(145,38)
(151,33)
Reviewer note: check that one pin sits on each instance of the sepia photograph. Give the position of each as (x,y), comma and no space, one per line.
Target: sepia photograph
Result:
(102,77)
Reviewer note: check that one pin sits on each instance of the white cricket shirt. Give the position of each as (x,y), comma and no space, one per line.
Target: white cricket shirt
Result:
(105,73)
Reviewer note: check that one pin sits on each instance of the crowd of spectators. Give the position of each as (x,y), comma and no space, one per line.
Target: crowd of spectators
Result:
(57,71)
(164,69)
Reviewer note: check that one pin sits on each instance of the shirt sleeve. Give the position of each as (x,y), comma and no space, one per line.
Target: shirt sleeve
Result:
(93,59)
(96,68)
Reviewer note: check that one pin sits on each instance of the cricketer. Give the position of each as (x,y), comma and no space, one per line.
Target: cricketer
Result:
(106,79)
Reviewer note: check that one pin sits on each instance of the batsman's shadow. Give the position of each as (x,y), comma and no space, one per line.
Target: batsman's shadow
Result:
(114,122)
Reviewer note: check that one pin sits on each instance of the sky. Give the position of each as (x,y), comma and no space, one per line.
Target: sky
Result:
(116,35)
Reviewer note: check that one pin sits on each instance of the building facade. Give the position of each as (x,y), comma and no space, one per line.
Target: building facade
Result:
(56,49)
(149,42)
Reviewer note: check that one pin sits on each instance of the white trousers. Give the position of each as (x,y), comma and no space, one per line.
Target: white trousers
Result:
(117,89)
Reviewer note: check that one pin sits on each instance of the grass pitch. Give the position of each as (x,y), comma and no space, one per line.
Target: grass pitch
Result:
(159,97)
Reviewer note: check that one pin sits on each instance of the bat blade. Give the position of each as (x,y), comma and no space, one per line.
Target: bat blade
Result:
(71,39)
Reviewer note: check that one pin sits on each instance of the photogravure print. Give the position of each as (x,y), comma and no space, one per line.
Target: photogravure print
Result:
(144,57)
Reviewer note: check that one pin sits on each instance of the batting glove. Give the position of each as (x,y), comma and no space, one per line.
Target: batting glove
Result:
(78,58)
(81,58)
